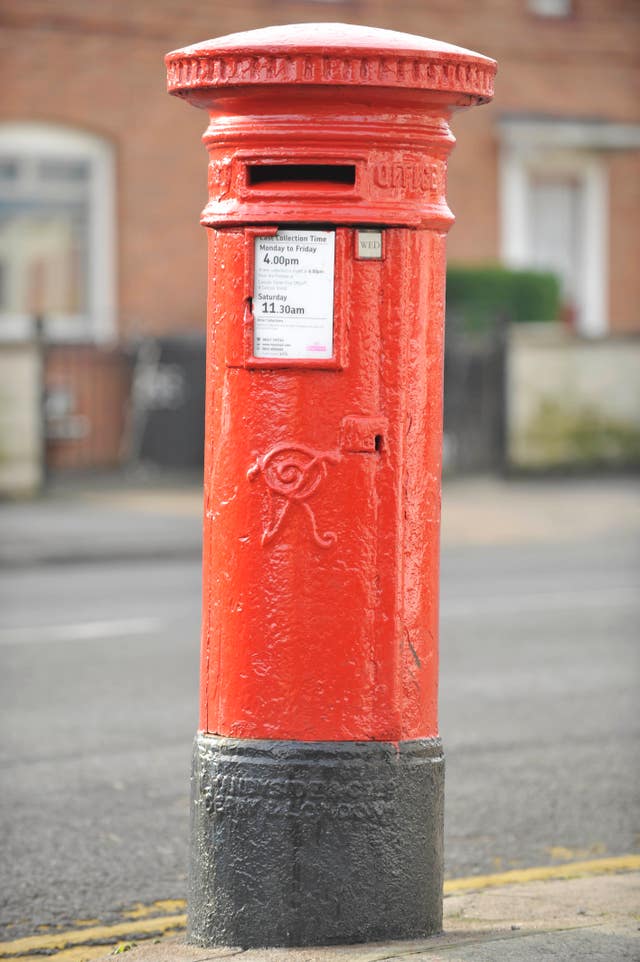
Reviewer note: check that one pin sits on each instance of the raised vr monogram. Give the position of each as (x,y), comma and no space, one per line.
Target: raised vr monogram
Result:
(292,472)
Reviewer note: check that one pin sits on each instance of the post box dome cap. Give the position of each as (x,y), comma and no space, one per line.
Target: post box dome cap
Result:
(333,54)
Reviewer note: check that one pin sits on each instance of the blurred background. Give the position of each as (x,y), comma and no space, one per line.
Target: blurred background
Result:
(102,332)
(103,263)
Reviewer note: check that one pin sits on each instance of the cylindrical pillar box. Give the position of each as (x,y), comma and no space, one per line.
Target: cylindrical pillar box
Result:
(318,771)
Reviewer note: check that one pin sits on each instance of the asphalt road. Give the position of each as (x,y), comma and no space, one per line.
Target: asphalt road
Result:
(98,701)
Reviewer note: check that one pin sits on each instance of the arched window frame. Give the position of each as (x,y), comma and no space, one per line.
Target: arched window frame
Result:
(25,140)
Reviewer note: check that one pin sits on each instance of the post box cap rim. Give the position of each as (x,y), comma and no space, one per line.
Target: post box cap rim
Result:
(330,54)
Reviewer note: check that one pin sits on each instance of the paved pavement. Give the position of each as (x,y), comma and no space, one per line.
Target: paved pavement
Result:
(583,911)
(582,919)
(138,517)
(585,919)
(590,918)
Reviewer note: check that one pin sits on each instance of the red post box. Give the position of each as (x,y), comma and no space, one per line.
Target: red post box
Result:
(318,771)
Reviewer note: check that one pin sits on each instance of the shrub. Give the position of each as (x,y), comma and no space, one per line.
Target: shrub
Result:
(479,297)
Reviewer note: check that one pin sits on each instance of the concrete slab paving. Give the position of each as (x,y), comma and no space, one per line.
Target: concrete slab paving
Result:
(594,918)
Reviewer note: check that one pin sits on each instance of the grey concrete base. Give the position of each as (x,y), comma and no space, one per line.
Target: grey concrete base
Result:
(315,843)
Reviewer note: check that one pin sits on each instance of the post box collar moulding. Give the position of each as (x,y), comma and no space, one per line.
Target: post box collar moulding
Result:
(332,54)
(359,116)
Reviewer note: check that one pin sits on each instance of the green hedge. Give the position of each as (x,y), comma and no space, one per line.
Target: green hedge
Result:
(479,296)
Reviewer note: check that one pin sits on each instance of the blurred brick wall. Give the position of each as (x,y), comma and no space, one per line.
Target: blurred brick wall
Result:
(99,66)
(87,397)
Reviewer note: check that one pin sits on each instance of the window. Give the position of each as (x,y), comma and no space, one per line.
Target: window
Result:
(550,8)
(556,216)
(554,209)
(56,233)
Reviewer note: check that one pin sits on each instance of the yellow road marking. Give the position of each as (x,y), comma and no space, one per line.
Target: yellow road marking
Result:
(79,953)
(76,945)
(544,873)
(560,853)
(162,906)
(107,934)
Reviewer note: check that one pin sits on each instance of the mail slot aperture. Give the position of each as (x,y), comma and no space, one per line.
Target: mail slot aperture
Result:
(307,175)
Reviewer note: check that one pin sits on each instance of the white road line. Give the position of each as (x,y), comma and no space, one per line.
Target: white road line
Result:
(80,631)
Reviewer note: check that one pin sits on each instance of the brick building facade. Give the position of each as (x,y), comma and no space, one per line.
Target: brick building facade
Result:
(551,170)
(102,178)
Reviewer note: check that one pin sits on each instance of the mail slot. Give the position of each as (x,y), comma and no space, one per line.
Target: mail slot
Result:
(320,175)
(318,768)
